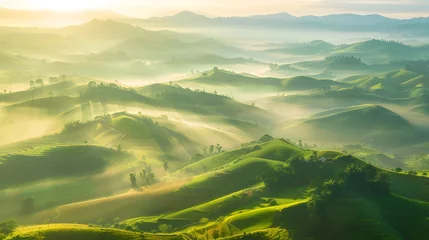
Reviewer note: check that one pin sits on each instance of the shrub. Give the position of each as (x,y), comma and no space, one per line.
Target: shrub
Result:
(204,220)
(164,228)
(272,202)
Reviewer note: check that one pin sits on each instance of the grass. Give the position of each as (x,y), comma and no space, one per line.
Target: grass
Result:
(82,232)
(260,218)
(371,124)
(56,162)
(48,106)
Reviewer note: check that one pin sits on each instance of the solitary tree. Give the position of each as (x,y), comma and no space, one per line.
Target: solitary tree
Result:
(166,166)
(218,148)
(32,84)
(39,82)
(150,175)
(211,149)
(119,148)
(27,205)
(300,145)
(205,149)
(398,169)
(133,180)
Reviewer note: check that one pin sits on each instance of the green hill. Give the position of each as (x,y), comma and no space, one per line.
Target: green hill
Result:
(229,79)
(48,106)
(334,63)
(55,163)
(379,51)
(399,83)
(203,103)
(421,109)
(343,97)
(307,83)
(84,232)
(366,123)
(65,88)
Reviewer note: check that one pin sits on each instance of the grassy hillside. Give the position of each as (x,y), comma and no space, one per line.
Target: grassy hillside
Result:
(307,83)
(366,123)
(399,83)
(203,103)
(75,231)
(56,162)
(45,106)
(343,97)
(378,51)
(65,87)
(229,79)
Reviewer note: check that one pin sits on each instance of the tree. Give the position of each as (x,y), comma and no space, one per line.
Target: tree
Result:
(218,148)
(211,149)
(300,145)
(50,94)
(52,80)
(32,84)
(166,166)
(86,142)
(39,82)
(27,205)
(133,180)
(119,148)
(398,170)
(424,174)
(205,149)
(92,84)
(7,227)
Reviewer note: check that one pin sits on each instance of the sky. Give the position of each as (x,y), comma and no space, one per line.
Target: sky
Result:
(146,8)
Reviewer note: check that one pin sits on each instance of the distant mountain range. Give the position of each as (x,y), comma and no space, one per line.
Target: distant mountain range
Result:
(49,18)
(350,22)
(343,22)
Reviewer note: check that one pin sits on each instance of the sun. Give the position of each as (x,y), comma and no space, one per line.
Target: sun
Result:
(71,5)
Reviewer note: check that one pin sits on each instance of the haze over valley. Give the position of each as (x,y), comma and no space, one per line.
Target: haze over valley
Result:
(191,125)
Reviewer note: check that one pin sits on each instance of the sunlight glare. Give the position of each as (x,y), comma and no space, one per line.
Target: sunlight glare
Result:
(69,5)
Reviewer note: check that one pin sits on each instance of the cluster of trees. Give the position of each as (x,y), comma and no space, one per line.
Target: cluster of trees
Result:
(299,172)
(365,179)
(147,176)
(210,150)
(344,60)
(411,172)
(51,80)
(104,91)
(207,151)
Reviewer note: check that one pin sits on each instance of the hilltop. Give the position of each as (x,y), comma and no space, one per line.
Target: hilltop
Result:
(227,79)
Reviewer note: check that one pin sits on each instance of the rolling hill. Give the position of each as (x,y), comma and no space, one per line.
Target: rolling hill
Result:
(343,97)
(360,124)
(230,79)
